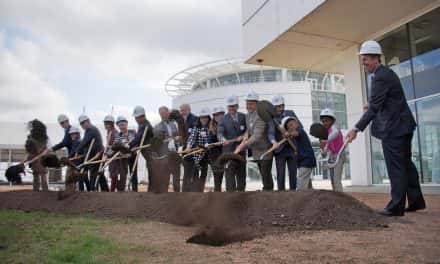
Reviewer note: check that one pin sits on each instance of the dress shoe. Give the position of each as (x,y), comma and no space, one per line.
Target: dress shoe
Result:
(386,212)
(414,208)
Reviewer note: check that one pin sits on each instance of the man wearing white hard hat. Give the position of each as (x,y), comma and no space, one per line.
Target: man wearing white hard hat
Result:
(91,133)
(394,124)
(284,155)
(66,142)
(113,167)
(256,138)
(167,130)
(143,126)
(230,130)
(124,137)
(71,178)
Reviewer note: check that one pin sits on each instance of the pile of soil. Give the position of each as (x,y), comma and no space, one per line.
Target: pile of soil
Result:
(222,218)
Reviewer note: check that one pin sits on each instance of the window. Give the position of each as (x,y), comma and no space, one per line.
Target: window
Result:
(396,55)
(250,77)
(272,75)
(230,79)
(334,101)
(425,33)
(213,83)
(413,52)
(296,75)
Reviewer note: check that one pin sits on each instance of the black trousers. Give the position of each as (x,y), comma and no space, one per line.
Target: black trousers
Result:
(174,168)
(403,174)
(194,179)
(235,175)
(217,171)
(149,160)
(95,176)
(280,163)
(134,178)
(265,167)
(83,181)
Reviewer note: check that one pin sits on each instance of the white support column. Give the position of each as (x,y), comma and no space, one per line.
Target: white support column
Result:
(360,165)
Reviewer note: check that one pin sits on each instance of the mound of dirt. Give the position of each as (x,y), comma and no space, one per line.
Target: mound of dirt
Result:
(222,217)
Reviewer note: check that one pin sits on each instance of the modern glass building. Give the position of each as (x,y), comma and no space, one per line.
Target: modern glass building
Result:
(306,92)
(325,36)
(413,52)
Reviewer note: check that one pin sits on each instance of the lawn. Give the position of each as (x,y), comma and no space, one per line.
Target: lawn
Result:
(38,237)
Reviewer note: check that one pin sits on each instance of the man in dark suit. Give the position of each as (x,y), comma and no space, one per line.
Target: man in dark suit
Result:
(190,118)
(230,127)
(393,123)
(143,123)
(92,133)
(284,155)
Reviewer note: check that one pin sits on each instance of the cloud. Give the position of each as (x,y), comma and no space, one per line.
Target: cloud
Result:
(101,53)
(24,94)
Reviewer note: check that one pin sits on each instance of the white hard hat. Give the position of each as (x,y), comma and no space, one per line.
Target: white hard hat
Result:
(287,119)
(218,109)
(278,100)
(83,118)
(205,112)
(327,112)
(121,119)
(370,47)
(62,118)
(109,118)
(138,111)
(73,129)
(231,100)
(251,96)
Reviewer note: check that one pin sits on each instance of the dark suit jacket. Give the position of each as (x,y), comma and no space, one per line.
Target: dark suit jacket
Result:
(387,107)
(91,133)
(228,129)
(65,143)
(191,122)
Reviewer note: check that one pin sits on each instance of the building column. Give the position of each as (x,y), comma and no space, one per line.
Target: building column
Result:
(360,161)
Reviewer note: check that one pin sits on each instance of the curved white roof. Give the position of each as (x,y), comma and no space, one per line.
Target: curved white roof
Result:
(234,71)
(183,82)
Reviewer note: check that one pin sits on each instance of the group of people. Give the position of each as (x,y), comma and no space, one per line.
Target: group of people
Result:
(219,132)
(196,143)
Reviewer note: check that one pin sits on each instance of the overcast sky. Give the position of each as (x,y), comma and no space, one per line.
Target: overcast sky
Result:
(58,56)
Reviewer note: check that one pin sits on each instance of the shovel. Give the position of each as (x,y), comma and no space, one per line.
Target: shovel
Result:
(272,148)
(329,165)
(266,111)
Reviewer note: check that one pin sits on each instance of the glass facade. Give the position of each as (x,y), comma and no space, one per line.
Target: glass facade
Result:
(413,52)
(335,101)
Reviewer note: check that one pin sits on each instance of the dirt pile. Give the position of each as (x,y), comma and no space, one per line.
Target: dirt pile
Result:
(222,217)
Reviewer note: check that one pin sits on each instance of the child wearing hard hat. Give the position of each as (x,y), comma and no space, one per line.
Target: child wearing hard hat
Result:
(306,156)
(332,146)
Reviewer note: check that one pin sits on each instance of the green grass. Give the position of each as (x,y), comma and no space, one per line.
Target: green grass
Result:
(38,237)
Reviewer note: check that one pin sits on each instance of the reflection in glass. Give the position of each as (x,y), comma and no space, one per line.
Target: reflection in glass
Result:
(429,127)
(396,55)
(425,40)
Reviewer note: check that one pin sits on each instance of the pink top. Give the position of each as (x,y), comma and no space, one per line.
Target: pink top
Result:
(335,139)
